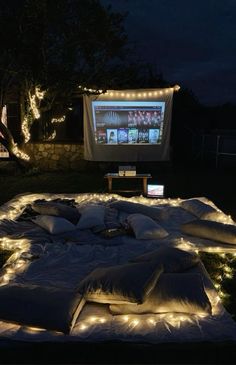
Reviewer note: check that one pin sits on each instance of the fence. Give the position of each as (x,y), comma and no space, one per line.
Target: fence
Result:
(218,148)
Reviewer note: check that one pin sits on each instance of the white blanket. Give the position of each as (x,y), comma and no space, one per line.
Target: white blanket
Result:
(63,260)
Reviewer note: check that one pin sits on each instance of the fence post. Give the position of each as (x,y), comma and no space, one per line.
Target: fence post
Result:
(217,149)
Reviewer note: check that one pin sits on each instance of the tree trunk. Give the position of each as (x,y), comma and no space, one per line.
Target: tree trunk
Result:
(7,140)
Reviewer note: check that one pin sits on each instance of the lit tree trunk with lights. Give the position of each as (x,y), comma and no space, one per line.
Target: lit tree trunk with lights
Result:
(6,138)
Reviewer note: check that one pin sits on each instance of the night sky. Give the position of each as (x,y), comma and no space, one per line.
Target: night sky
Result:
(193,43)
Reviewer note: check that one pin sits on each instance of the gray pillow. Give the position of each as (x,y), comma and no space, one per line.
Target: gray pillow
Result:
(131,208)
(214,231)
(41,307)
(129,283)
(145,228)
(58,210)
(172,259)
(200,209)
(92,216)
(180,293)
(53,225)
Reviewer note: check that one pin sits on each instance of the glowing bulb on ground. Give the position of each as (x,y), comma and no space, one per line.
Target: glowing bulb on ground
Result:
(92,319)
(151,321)
(134,322)
(125,318)
(83,327)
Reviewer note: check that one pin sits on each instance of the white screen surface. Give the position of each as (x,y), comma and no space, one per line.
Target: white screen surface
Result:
(128,125)
(128,122)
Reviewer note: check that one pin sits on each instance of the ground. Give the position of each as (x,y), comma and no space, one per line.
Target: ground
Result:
(184,181)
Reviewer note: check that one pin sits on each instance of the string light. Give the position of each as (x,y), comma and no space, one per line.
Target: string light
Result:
(146,94)
(33,105)
(131,94)
(34,100)
(176,88)
(52,136)
(94,91)
(58,120)
(39,93)
(20,154)
(18,261)
(25,129)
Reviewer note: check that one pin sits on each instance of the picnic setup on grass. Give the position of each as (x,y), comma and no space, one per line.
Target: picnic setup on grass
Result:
(102,268)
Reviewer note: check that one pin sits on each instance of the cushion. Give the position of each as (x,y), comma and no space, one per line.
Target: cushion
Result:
(92,216)
(200,209)
(127,283)
(54,225)
(57,209)
(182,293)
(42,307)
(131,208)
(172,259)
(211,230)
(145,228)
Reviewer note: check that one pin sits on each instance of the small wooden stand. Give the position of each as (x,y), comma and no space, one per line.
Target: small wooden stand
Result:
(144,177)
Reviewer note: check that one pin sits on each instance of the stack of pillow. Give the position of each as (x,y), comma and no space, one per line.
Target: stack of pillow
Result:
(156,282)
(58,218)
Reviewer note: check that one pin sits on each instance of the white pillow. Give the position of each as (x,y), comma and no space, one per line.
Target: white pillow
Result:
(42,307)
(171,258)
(214,231)
(133,208)
(57,209)
(128,283)
(91,216)
(200,209)
(54,225)
(181,293)
(145,228)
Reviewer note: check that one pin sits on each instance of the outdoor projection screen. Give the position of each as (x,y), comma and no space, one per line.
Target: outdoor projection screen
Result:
(128,125)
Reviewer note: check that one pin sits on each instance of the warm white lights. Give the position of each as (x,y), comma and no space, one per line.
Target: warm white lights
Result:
(58,120)
(34,107)
(15,264)
(176,88)
(20,154)
(21,258)
(34,101)
(149,94)
(25,129)
(39,93)
(92,91)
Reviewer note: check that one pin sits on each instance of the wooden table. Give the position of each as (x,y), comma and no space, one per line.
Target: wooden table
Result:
(111,176)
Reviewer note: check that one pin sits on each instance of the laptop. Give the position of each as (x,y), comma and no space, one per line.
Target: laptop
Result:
(155,191)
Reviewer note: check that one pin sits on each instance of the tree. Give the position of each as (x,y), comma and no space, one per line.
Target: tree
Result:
(48,49)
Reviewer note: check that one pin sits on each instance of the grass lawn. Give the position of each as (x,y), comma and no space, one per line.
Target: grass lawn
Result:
(182,181)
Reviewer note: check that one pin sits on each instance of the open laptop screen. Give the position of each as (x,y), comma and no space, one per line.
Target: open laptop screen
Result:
(155,191)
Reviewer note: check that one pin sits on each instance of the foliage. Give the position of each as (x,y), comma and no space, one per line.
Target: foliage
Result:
(222,268)
(52,47)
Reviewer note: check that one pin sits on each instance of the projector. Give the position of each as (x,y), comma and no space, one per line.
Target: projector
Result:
(127,170)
